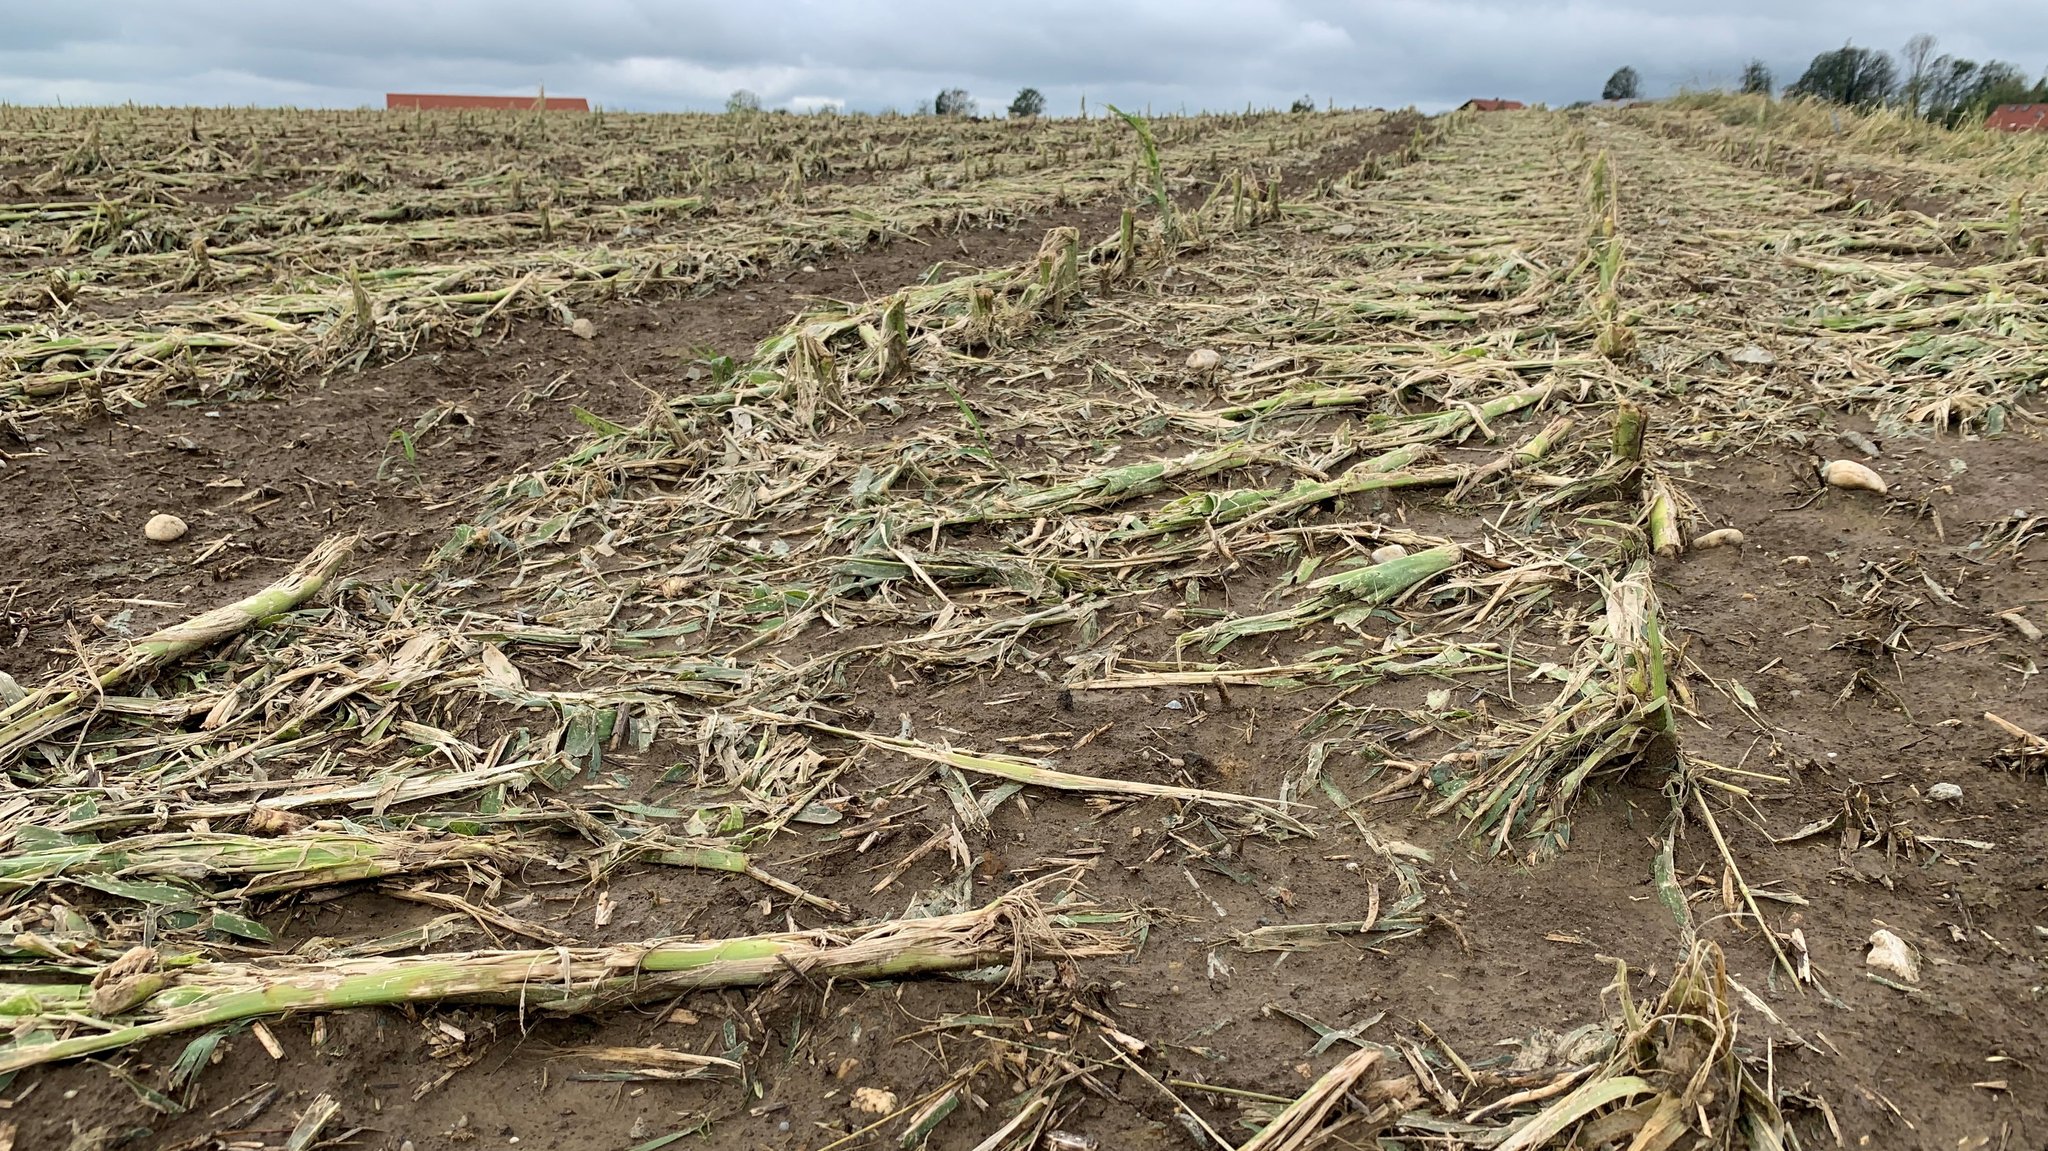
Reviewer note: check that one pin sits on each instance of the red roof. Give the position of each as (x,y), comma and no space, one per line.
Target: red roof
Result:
(2018,118)
(1495,105)
(497,103)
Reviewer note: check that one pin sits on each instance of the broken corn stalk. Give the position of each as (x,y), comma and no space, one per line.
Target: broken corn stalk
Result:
(1360,587)
(1011,931)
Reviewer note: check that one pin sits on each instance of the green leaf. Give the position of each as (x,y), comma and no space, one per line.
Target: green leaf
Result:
(159,894)
(241,927)
(29,837)
(594,422)
(197,1057)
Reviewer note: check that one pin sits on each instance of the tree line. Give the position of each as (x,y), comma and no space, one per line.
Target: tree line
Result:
(1029,102)
(1946,89)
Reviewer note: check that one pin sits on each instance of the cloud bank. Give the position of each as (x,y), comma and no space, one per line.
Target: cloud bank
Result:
(645,55)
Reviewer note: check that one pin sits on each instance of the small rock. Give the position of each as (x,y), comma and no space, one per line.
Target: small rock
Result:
(1945,793)
(1343,230)
(1387,553)
(1718,538)
(583,329)
(1889,954)
(1204,360)
(164,527)
(1752,354)
(873,1100)
(809,269)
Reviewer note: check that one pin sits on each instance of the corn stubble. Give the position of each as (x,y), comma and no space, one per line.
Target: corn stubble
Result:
(1442,349)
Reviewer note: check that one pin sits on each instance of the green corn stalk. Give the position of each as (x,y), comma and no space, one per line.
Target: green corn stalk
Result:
(1262,505)
(1542,443)
(40,714)
(895,341)
(1614,711)
(1359,588)
(1621,478)
(1662,514)
(1631,426)
(1391,430)
(1161,201)
(981,317)
(732,863)
(562,981)
(364,312)
(263,866)
(1103,489)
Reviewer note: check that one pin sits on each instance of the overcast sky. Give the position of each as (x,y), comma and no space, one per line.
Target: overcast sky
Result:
(689,54)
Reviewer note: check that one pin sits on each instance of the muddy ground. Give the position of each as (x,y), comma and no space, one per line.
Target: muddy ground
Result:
(1868,688)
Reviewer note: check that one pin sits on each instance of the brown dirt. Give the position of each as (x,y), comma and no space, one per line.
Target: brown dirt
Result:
(1873,685)
(1513,950)
(262,478)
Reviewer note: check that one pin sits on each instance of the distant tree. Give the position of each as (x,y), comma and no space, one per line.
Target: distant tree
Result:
(741,103)
(953,102)
(1959,90)
(2003,83)
(1623,85)
(1858,77)
(1756,78)
(1029,102)
(1916,55)
(1305,104)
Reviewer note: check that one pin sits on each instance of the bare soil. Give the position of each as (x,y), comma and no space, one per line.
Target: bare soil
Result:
(1864,629)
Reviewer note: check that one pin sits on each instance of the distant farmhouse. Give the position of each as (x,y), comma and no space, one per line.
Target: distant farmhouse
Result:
(433,102)
(2018,118)
(1492,106)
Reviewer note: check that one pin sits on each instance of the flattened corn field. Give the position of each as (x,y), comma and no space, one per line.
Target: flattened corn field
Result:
(1222,632)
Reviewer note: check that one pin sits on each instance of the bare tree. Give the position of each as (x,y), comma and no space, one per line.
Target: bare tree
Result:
(1915,55)
(953,102)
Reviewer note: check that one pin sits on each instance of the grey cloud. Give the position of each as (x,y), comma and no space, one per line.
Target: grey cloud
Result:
(644,54)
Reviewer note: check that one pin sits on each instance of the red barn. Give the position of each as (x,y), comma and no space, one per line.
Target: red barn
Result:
(433,102)
(1491,106)
(2018,118)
